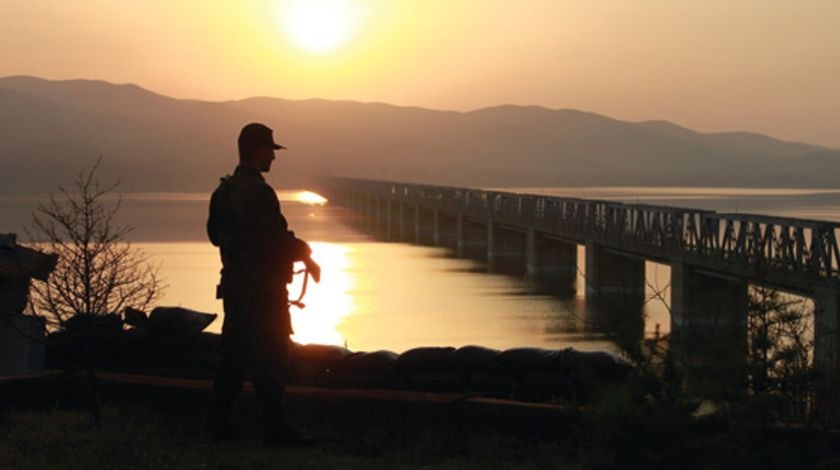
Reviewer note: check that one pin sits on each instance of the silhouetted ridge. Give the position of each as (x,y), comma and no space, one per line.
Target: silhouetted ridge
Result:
(744,142)
(156,143)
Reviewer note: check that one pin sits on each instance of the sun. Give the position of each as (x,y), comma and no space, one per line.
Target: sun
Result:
(320,26)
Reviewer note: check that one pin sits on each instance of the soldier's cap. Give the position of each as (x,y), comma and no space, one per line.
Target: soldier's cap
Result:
(256,134)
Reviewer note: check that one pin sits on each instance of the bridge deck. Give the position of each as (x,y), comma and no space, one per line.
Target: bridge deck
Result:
(789,253)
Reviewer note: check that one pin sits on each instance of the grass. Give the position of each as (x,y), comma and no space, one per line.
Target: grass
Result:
(153,427)
(142,438)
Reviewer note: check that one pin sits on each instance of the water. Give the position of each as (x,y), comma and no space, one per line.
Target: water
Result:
(398,296)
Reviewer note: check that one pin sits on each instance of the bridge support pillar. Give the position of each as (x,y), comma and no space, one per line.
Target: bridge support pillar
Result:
(827,334)
(379,217)
(446,230)
(615,285)
(614,275)
(401,223)
(417,227)
(472,239)
(436,228)
(370,213)
(459,235)
(424,226)
(505,249)
(491,243)
(709,328)
(551,263)
(388,232)
(394,221)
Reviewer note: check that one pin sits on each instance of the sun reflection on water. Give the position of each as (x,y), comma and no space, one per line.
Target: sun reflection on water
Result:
(328,302)
(308,197)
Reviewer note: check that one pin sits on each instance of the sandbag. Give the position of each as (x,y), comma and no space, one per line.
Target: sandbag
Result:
(475,358)
(179,321)
(94,326)
(426,360)
(134,317)
(521,361)
(321,356)
(375,363)
(305,373)
(596,364)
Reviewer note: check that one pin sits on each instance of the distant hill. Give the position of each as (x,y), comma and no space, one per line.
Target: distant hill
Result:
(741,142)
(48,129)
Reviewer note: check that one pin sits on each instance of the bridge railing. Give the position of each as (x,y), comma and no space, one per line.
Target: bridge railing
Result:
(795,246)
(801,247)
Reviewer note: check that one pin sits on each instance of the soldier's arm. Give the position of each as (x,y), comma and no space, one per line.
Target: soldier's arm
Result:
(294,247)
(214,230)
(274,225)
(269,224)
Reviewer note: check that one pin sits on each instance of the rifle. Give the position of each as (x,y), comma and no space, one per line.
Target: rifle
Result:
(311,268)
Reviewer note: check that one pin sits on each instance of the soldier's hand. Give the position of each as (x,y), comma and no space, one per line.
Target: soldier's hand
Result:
(314,269)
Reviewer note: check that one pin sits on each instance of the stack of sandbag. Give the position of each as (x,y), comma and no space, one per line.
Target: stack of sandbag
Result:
(481,371)
(567,374)
(97,336)
(528,373)
(169,341)
(334,366)
(374,369)
(429,368)
(313,364)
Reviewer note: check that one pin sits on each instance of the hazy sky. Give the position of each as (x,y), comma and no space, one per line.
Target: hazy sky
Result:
(770,66)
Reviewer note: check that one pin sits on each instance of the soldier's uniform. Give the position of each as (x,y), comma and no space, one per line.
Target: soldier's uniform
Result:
(258,251)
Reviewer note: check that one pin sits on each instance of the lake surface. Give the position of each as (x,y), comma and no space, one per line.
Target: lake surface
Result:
(397,296)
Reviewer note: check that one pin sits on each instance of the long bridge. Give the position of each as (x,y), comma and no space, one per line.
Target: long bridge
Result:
(714,257)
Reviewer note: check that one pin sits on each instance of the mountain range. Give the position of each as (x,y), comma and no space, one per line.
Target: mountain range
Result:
(150,142)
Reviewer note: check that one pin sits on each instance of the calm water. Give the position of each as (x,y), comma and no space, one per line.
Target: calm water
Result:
(398,296)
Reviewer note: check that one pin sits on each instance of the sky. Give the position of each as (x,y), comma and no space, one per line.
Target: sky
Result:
(768,66)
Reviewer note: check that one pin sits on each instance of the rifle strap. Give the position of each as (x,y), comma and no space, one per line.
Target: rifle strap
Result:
(298,303)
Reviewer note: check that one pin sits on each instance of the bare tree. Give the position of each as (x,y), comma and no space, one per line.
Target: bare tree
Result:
(98,271)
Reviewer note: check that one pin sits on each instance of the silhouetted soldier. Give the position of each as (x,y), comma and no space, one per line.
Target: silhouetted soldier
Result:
(258,252)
